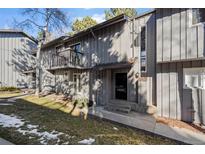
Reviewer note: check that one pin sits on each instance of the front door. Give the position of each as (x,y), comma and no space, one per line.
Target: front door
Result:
(121,86)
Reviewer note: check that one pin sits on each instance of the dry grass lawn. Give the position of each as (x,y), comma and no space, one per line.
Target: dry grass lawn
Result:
(42,119)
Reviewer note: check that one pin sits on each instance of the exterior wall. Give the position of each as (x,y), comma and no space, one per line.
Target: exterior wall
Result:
(177,38)
(179,45)
(103,86)
(109,45)
(15,57)
(173,101)
(64,82)
(146,83)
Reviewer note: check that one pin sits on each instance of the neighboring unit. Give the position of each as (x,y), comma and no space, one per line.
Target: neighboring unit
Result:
(16,57)
(111,64)
(181,64)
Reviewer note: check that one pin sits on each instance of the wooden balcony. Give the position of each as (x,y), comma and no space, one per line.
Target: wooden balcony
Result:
(67,60)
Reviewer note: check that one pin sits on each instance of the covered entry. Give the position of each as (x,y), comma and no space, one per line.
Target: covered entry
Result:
(121,86)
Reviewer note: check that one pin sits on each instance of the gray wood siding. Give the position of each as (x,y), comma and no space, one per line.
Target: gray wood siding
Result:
(172,100)
(15,57)
(111,45)
(146,85)
(177,38)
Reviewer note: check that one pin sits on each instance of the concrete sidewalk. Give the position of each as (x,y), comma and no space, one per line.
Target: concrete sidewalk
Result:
(5,142)
(148,123)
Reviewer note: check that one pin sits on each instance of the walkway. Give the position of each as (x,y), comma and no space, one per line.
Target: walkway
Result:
(5,142)
(148,123)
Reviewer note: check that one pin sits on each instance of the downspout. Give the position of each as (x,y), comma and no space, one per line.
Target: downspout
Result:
(133,36)
(93,33)
(92,95)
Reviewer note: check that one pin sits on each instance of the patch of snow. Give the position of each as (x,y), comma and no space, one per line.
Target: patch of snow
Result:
(10,121)
(65,143)
(29,126)
(87,141)
(44,137)
(5,104)
(11,100)
(115,128)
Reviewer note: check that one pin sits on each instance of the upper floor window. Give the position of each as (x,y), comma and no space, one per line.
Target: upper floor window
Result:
(59,48)
(76,48)
(198,15)
(143,53)
(76,55)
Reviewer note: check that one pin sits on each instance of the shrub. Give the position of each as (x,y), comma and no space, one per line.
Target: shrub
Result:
(9,89)
(81,102)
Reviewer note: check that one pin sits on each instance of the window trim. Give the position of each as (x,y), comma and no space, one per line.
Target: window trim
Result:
(78,89)
(73,44)
(190,17)
(59,46)
(192,69)
(142,72)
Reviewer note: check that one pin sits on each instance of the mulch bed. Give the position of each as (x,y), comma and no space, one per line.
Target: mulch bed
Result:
(180,124)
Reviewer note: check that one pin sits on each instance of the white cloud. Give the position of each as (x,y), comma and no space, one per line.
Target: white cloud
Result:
(99,17)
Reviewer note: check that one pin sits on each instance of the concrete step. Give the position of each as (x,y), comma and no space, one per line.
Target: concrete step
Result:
(118,106)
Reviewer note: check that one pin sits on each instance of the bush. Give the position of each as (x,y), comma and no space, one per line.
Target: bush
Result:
(81,102)
(9,89)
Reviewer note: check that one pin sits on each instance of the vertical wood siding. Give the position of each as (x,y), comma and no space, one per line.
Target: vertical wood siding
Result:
(146,88)
(114,44)
(172,100)
(177,38)
(15,57)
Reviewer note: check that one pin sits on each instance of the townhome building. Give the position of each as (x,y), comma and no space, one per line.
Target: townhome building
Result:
(102,63)
(154,60)
(17,58)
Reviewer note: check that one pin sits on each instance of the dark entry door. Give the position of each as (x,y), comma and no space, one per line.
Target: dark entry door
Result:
(121,86)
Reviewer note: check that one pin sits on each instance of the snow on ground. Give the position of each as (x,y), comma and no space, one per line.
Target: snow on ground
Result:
(10,121)
(29,129)
(44,136)
(87,141)
(115,128)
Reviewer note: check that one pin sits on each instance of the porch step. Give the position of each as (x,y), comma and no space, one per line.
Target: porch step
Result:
(118,105)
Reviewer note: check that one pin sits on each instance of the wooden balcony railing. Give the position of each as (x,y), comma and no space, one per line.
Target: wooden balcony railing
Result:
(70,59)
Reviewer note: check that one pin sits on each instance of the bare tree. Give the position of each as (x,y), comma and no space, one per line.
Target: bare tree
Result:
(46,20)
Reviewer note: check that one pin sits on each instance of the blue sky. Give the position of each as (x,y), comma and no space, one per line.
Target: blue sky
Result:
(7,16)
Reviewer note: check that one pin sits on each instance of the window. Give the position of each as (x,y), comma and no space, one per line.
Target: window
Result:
(76,54)
(198,16)
(76,82)
(76,48)
(59,48)
(66,77)
(143,54)
(194,78)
